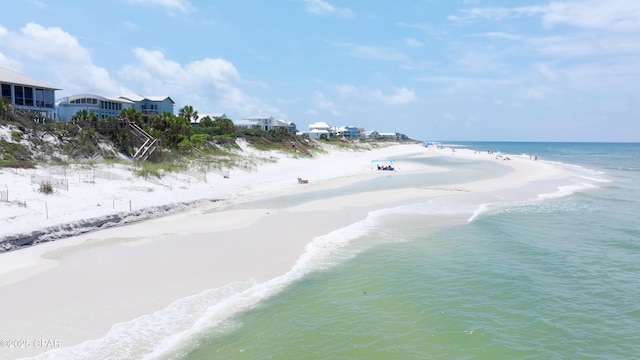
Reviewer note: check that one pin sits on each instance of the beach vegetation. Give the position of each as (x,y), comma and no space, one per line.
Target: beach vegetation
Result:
(170,129)
(46,188)
(213,143)
(187,112)
(16,135)
(12,152)
(155,169)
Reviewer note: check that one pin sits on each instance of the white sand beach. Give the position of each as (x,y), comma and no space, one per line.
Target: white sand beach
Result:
(83,294)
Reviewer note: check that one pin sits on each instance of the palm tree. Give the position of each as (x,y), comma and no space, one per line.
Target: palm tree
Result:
(132,114)
(84,115)
(170,128)
(188,113)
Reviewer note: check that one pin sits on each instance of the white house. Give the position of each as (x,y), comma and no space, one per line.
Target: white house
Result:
(212,116)
(371,135)
(388,135)
(103,107)
(265,123)
(27,93)
(316,130)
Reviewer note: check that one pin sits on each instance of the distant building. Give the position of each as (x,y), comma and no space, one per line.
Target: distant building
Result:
(150,105)
(349,132)
(370,135)
(103,107)
(317,130)
(393,136)
(212,116)
(27,93)
(265,123)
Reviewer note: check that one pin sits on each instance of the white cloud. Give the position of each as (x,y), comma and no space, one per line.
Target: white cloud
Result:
(501,35)
(594,14)
(183,6)
(413,43)
(374,52)
(208,84)
(63,56)
(495,13)
(325,105)
(396,97)
(546,71)
(399,96)
(346,90)
(320,7)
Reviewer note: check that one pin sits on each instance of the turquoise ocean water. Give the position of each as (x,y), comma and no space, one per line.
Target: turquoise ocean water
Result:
(552,279)
(557,277)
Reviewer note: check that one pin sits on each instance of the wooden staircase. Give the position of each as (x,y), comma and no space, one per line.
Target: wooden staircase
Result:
(149,143)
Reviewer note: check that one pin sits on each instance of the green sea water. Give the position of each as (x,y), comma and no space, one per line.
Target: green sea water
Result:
(557,278)
(553,277)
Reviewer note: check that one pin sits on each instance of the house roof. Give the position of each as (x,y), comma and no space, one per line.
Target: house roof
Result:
(93,96)
(320,124)
(12,77)
(138,97)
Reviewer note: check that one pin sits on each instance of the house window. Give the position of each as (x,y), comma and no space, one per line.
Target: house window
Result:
(6,92)
(28,96)
(40,97)
(19,93)
(49,98)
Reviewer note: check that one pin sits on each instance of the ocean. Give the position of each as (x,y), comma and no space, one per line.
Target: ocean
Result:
(557,278)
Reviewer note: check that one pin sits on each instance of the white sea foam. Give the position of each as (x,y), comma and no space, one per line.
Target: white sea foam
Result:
(483,208)
(173,329)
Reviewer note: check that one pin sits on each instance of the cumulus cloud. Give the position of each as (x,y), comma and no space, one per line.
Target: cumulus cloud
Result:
(68,61)
(207,84)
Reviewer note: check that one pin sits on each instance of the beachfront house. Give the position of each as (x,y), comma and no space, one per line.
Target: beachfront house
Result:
(370,135)
(212,116)
(320,129)
(349,132)
(101,106)
(392,136)
(27,93)
(150,105)
(265,123)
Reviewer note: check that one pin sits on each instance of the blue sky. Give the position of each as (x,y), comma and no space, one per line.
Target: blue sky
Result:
(525,70)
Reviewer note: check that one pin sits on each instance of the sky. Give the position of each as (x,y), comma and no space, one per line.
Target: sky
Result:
(435,70)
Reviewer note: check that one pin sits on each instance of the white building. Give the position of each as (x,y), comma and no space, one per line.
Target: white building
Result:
(265,123)
(317,130)
(103,107)
(212,116)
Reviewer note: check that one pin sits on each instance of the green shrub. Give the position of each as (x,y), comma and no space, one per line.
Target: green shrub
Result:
(46,188)
(16,135)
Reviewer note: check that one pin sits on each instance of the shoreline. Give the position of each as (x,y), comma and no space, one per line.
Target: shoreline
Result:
(212,247)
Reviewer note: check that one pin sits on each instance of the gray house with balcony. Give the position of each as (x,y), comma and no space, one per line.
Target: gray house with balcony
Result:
(26,93)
